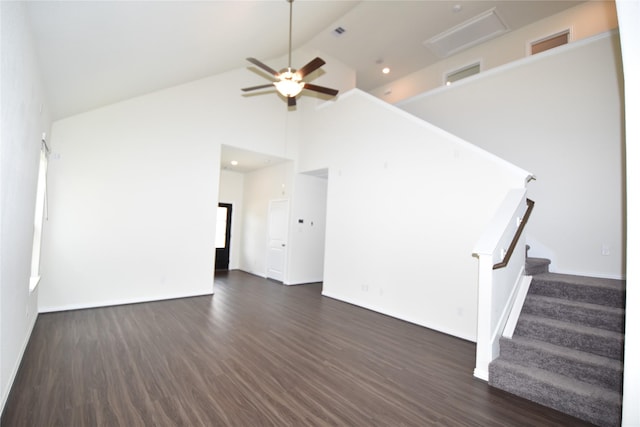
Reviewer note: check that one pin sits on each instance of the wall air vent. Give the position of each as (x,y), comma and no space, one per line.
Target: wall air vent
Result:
(462,73)
(470,33)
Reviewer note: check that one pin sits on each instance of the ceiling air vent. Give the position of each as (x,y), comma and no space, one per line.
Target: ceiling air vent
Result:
(338,31)
(470,33)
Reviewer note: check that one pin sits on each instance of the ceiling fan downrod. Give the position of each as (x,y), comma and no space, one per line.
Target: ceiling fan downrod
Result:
(290,29)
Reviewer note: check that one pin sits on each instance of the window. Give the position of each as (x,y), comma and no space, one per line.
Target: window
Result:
(462,73)
(41,200)
(550,42)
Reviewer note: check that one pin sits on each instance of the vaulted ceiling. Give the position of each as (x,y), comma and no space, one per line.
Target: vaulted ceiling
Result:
(94,53)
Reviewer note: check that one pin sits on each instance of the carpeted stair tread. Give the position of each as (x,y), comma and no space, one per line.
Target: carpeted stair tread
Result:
(609,292)
(594,315)
(583,338)
(587,367)
(536,266)
(577,398)
(567,347)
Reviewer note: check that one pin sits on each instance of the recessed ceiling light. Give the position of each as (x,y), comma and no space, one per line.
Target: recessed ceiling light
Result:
(234,163)
(386,70)
(456,8)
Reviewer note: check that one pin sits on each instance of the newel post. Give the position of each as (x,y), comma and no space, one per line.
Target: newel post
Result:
(483,339)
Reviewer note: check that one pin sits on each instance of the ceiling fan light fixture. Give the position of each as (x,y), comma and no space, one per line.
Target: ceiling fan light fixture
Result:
(289,81)
(289,84)
(289,88)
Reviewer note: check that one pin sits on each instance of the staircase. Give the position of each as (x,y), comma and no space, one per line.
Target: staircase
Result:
(567,349)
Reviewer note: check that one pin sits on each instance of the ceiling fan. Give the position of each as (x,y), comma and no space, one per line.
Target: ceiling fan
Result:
(288,80)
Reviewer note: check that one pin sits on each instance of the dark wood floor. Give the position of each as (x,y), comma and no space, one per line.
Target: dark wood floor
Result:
(255,354)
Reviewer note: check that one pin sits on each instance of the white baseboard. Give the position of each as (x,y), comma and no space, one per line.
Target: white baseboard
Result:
(481,374)
(303,282)
(124,301)
(400,316)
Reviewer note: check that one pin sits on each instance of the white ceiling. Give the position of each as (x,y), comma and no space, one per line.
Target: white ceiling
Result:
(95,53)
(246,161)
(394,32)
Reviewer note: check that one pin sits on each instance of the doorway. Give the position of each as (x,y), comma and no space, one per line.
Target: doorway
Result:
(223,236)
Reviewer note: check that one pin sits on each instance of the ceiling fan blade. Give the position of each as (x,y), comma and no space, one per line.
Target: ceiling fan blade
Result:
(247,89)
(313,65)
(291,101)
(321,89)
(265,67)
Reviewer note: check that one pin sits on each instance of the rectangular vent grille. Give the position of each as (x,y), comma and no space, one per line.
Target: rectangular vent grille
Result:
(470,33)
(338,31)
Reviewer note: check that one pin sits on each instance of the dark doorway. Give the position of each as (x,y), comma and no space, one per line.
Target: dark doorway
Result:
(223,236)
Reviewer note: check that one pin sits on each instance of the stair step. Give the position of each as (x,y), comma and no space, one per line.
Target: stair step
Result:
(535,266)
(578,337)
(609,292)
(587,367)
(586,401)
(587,314)
(567,348)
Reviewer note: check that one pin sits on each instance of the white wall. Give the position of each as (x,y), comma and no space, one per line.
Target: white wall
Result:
(261,186)
(557,114)
(306,239)
(24,118)
(585,20)
(134,189)
(231,191)
(406,205)
(134,192)
(629,12)
(308,196)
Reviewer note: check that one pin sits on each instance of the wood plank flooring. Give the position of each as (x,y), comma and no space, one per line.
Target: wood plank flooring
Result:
(257,353)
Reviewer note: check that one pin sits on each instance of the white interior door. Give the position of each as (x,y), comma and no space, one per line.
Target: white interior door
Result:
(278,233)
